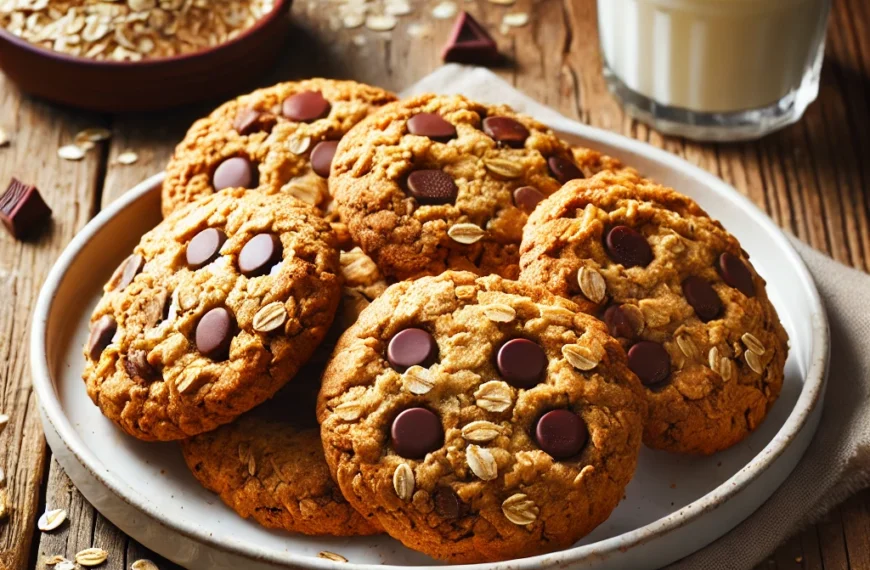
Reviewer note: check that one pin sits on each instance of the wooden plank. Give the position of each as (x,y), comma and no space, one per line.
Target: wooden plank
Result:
(856,529)
(832,542)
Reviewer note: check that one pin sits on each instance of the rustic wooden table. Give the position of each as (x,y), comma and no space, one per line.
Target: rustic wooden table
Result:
(812,178)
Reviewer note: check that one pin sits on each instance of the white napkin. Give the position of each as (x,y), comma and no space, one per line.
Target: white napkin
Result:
(837,463)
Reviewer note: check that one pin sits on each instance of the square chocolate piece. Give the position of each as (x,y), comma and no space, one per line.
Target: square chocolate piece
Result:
(22,209)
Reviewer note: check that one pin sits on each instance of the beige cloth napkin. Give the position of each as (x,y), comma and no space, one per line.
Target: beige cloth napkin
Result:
(837,463)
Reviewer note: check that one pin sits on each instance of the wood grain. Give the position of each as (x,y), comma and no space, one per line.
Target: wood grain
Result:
(812,178)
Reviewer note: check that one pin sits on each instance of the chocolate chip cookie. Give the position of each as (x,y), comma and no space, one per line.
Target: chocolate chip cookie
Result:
(678,291)
(277,139)
(437,182)
(213,312)
(480,419)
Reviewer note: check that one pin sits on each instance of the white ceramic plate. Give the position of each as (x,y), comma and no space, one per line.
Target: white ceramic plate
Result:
(674,505)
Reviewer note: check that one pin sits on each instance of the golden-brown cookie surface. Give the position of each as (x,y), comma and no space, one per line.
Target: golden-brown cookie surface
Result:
(479,419)
(678,291)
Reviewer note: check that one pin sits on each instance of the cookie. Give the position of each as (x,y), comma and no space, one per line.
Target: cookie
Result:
(213,312)
(479,419)
(441,182)
(678,291)
(277,139)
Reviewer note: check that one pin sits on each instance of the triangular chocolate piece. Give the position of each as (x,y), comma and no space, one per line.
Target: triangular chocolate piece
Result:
(470,43)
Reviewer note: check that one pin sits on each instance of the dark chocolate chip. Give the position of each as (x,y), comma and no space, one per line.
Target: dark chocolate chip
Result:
(321,157)
(412,347)
(137,366)
(561,434)
(249,121)
(214,333)
(416,432)
(305,107)
(235,172)
(506,131)
(469,42)
(127,271)
(101,335)
(431,125)
(563,169)
(703,298)
(432,187)
(205,247)
(522,362)
(618,322)
(446,503)
(22,209)
(735,273)
(650,361)
(627,246)
(259,255)
(526,198)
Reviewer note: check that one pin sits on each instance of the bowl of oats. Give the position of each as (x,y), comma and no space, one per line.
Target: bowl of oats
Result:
(138,55)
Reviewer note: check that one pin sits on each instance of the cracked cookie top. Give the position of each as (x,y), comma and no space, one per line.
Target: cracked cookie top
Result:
(215,310)
(678,291)
(480,419)
(276,139)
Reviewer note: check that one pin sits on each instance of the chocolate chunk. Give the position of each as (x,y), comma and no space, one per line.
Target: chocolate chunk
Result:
(416,432)
(446,503)
(431,125)
(561,434)
(305,107)
(506,130)
(627,246)
(101,335)
(249,121)
(735,273)
(259,255)
(526,198)
(321,157)
(619,323)
(522,362)
(137,366)
(214,332)
(563,169)
(703,298)
(22,210)
(432,187)
(235,172)
(412,347)
(650,361)
(126,272)
(469,42)
(205,247)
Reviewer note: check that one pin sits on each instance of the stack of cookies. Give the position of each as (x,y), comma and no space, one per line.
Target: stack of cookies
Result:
(431,317)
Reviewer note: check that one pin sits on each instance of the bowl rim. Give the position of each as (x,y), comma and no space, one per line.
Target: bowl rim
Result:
(279,9)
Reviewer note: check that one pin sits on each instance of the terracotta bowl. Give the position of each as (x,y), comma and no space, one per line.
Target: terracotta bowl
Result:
(112,86)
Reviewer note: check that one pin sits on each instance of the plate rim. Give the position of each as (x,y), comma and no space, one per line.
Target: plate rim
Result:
(810,397)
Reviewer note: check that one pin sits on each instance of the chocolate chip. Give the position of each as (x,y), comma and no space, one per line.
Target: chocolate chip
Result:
(506,131)
(259,255)
(416,432)
(204,247)
(526,198)
(321,157)
(249,121)
(650,361)
(432,187)
(522,362)
(561,434)
(214,332)
(431,125)
(627,246)
(137,367)
(703,298)
(235,172)
(469,42)
(127,271)
(618,322)
(735,273)
(22,209)
(412,347)
(563,170)
(101,335)
(446,503)
(305,107)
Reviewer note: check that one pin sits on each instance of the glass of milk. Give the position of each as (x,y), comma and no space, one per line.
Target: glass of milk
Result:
(720,70)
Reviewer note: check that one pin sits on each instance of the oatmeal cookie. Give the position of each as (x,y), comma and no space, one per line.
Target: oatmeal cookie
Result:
(480,419)
(678,291)
(277,139)
(213,312)
(441,182)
